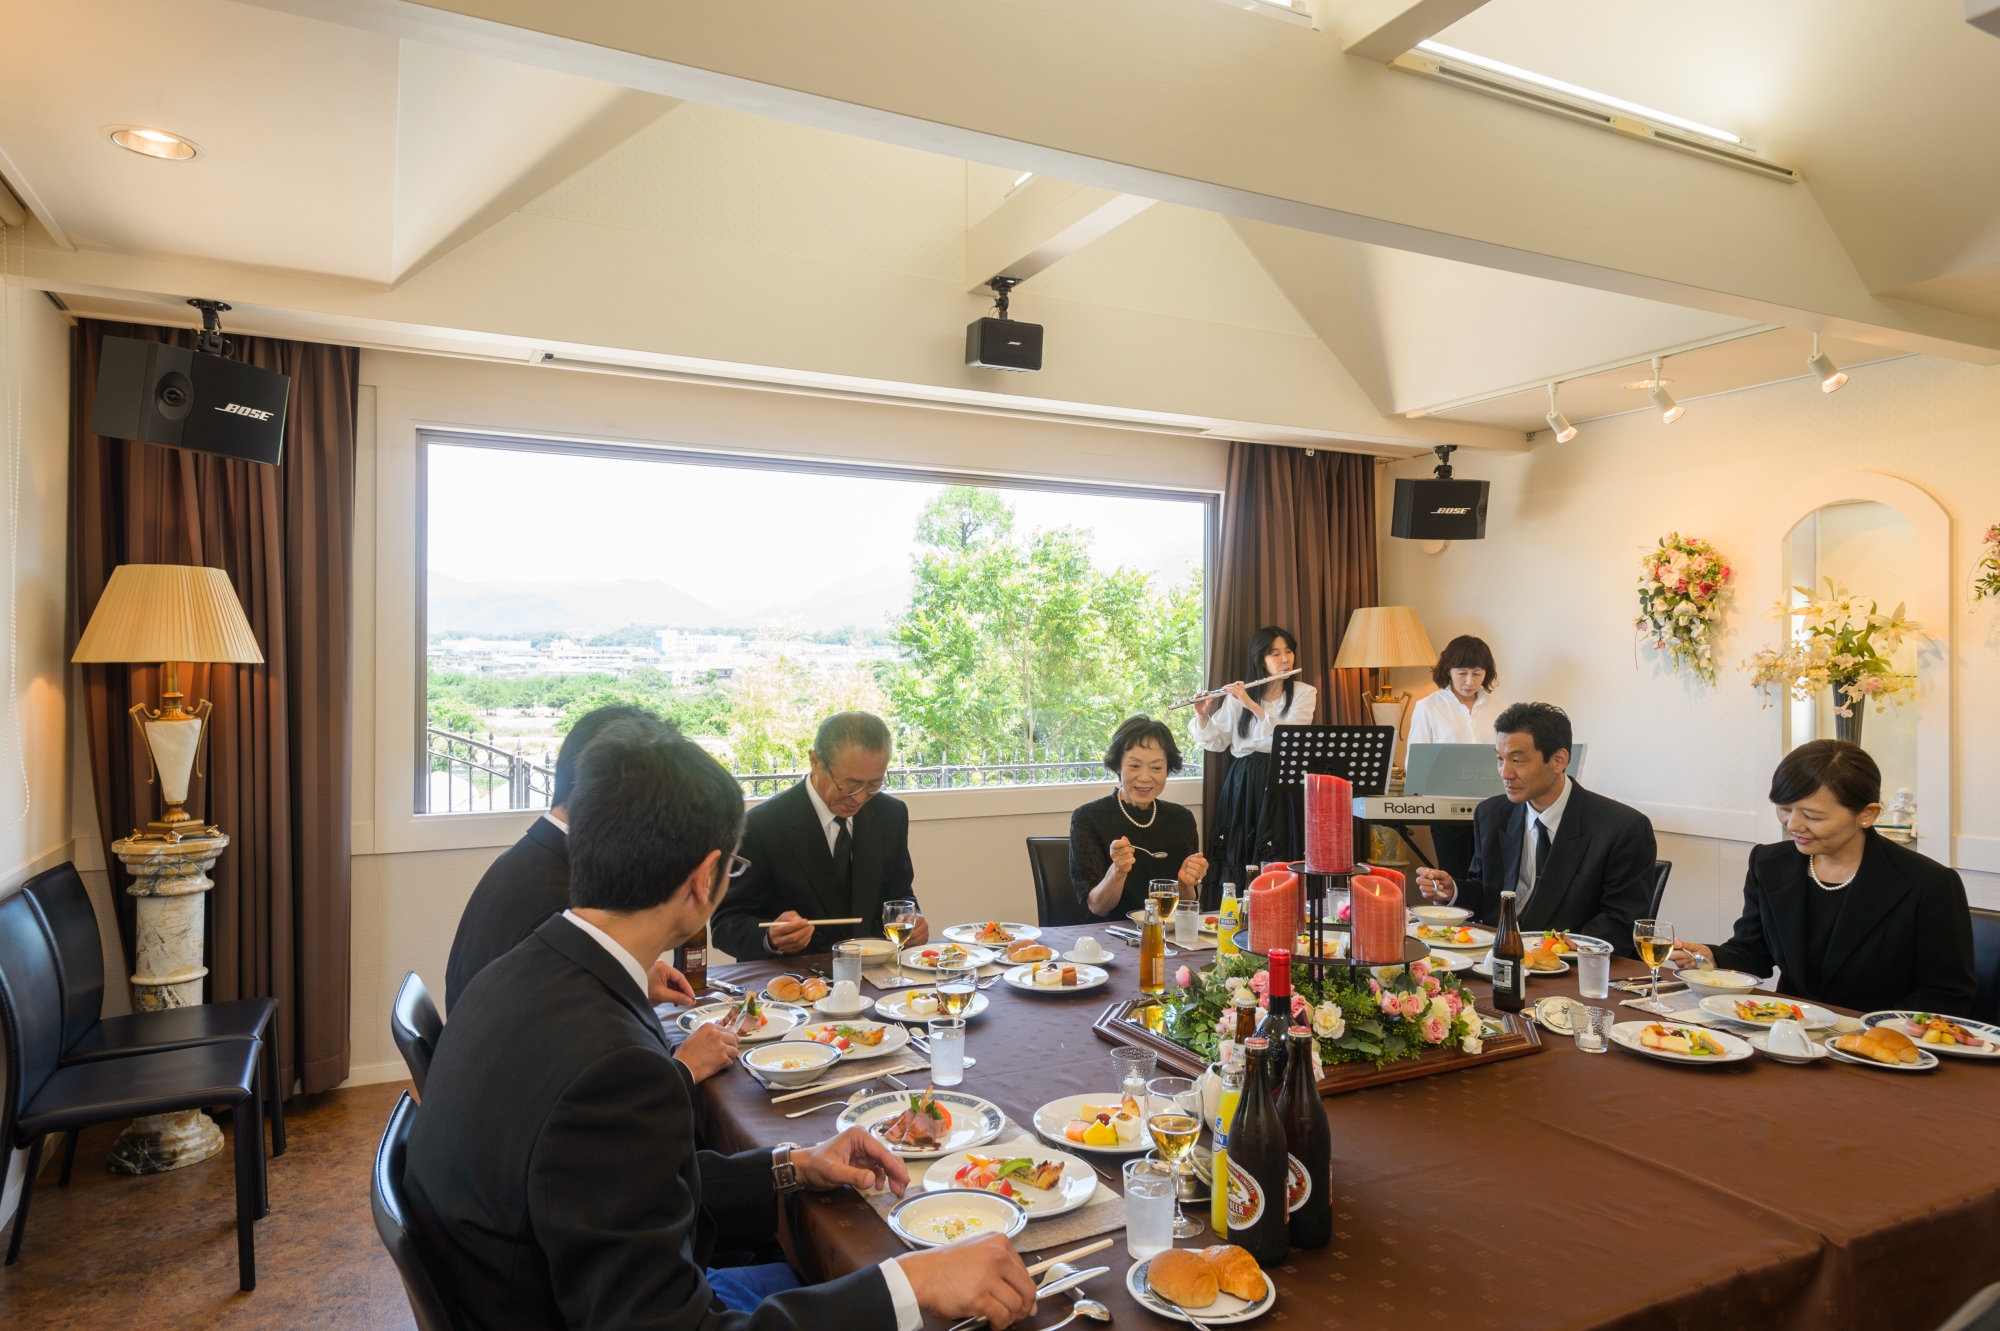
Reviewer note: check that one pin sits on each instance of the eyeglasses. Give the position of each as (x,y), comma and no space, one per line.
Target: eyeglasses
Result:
(848,789)
(737,864)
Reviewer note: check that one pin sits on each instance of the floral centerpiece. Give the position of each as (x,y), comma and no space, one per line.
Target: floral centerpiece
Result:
(1846,646)
(1356,1016)
(1681,585)
(1986,580)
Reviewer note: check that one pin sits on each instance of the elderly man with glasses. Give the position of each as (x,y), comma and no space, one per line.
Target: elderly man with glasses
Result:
(832,847)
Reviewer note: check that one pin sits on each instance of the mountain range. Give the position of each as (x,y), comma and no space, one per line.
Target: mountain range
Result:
(867,599)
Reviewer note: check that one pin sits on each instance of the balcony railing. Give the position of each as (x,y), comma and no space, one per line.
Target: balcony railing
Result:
(469,775)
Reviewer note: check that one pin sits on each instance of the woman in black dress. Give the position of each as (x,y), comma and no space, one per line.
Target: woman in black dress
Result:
(1851,918)
(1250,827)
(1120,843)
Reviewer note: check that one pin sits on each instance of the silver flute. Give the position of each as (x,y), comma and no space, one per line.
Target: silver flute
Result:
(1217,693)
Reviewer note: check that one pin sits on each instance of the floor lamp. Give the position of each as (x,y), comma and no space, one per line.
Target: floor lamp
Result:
(165,614)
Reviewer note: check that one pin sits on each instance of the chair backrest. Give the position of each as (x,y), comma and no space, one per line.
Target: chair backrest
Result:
(426,1295)
(1055,899)
(30,1005)
(415,1023)
(1986,965)
(72,923)
(1661,868)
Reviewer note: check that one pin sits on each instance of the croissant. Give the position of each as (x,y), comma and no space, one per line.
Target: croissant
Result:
(1871,1044)
(1029,952)
(1236,1271)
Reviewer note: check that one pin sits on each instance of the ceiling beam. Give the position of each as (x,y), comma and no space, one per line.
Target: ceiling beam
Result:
(1215,108)
(1040,223)
(1381,30)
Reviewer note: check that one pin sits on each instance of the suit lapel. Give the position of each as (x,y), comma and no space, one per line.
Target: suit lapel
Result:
(865,891)
(808,844)
(589,954)
(550,837)
(1874,893)
(1567,852)
(1785,914)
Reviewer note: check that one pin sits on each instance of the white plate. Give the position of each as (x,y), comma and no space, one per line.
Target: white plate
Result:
(1735,1050)
(1584,942)
(779,1018)
(1482,940)
(1053,1117)
(769,997)
(1761,1042)
(1105,956)
(974,1121)
(1696,979)
(1984,1030)
(911,1218)
(912,958)
(826,1009)
(896,1038)
(1227,1310)
(1004,960)
(896,1007)
(1484,966)
(1449,961)
(1724,1006)
(1439,914)
(1087,977)
(969,933)
(1924,1064)
(1078,1183)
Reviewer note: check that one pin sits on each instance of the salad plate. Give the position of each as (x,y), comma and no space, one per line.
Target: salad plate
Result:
(1449,961)
(779,1018)
(1912,1024)
(969,933)
(973,1121)
(928,957)
(956,1172)
(1469,937)
(845,1036)
(1763,1012)
(1484,966)
(1629,1035)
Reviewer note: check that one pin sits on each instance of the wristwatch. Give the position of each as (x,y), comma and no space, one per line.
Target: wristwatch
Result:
(785,1174)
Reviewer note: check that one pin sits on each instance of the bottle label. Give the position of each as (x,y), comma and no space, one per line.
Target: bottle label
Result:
(1505,975)
(1246,1198)
(1298,1184)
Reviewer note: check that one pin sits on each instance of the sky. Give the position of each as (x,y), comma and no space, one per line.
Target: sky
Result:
(736,539)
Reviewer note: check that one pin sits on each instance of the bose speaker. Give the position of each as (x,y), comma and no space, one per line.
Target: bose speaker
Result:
(161,394)
(1003,344)
(1431,510)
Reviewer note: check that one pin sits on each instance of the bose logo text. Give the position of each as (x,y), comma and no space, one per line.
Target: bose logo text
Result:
(238,409)
(1439,511)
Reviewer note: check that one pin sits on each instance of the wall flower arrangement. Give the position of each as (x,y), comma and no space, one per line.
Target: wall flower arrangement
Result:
(1846,646)
(1986,577)
(1682,582)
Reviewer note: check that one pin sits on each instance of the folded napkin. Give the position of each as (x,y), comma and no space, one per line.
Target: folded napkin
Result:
(1102,1214)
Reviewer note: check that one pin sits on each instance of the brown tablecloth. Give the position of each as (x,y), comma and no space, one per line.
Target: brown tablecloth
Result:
(1559,1190)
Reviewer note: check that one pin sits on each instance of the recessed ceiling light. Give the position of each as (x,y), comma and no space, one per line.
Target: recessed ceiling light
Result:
(1557,85)
(153,143)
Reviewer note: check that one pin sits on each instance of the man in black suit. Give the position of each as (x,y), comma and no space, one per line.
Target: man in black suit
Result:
(552,1172)
(530,882)
(831,847)
(1574,860)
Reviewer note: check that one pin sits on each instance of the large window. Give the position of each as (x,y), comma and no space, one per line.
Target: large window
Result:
(1001,629)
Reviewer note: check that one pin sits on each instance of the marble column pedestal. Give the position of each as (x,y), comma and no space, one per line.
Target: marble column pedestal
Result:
(169,878)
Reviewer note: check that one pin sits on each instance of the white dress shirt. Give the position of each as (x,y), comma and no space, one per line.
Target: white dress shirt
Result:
(1219,731)
(562,827)
(829,821)
(909,1317)
(1550,818)
(1440,718)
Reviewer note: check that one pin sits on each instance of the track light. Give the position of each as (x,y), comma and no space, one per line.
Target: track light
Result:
(1830,376)
(1557,421)
(1670,410)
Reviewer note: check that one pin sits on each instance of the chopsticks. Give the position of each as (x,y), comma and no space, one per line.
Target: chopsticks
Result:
(819,1086)
(772,924)
(1084,1251)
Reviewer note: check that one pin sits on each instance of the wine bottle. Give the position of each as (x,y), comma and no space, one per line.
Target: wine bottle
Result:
(1258,1165)
(1510,976)
(691,959)
(1152,952)
(1228,919)
(1309,1143)
(1277,1018)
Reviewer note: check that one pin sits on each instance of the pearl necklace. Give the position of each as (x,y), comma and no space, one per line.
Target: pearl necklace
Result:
(1128,813)
(1812,871)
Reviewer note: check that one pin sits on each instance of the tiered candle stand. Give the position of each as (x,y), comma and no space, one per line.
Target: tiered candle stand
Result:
(1315,957)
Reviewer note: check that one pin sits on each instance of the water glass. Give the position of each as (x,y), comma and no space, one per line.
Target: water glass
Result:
(1149,1208)
(1134,1068)
(1187,918)
(847,957)
(947,1050)
(1593,973)
(1593,1029)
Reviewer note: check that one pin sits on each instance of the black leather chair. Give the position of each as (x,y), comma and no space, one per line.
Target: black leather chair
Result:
(1661,868)
(1055,899)
(420,1283)
(44,1097)
(415,1023)
(1986,965)
(64,903)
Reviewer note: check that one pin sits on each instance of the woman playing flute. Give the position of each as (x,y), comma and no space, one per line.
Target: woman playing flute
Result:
(1248,828)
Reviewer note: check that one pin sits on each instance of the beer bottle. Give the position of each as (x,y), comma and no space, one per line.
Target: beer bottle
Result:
(1510,976)
(1309,1143)
(1277,1018)
(1152,952)
(1246,1018)
(1258,1165)
(691,959)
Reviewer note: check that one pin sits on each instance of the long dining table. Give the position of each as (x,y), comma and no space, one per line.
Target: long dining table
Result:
(1561,1189)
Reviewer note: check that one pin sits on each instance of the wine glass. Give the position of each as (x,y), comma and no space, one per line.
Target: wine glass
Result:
(957,982)
(1655,941)
(899,921)
(1174,1119)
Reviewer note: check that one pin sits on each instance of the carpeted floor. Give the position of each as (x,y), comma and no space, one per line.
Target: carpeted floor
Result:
(159,1252)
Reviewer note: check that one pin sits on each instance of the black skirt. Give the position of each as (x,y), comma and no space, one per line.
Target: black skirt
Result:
(1250,827)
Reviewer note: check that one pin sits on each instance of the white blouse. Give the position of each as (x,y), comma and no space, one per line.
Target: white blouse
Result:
(1440,718)
(1219,731)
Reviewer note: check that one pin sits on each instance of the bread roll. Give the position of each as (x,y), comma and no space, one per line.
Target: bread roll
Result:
(786,989)
(1182,1278)
(1236,1271)
(814,989)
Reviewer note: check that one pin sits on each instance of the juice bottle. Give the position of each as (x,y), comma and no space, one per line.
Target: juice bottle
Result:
(1152,952)
(1225,1114)
(1228,921)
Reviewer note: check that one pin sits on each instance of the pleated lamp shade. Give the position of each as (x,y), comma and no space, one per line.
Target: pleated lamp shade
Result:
(1380,637)
(168,612)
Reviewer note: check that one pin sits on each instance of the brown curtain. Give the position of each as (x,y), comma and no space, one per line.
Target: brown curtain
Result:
(280,742)
(1298,551)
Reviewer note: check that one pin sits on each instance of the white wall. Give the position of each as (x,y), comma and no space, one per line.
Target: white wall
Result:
(1553,589)
(412,875)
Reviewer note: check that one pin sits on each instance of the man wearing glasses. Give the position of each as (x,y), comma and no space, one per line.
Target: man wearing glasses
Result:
(832,847)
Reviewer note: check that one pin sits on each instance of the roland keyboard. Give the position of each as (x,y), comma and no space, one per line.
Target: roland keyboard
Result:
(1416,808)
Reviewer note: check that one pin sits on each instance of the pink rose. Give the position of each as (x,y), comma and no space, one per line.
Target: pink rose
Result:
(1435,1029)
(1184,978)
(1414,1004)
(1261,982)
(1299,1005)
(1431,984)
(1421,969)
(1345,913)
(1264,1003)
(1454,1002)
(1226,1025)
(1375,988)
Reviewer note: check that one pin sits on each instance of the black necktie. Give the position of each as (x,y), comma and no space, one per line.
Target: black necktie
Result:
(1541,850)
(843,856)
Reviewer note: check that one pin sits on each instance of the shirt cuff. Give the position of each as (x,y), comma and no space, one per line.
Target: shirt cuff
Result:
(909,1317)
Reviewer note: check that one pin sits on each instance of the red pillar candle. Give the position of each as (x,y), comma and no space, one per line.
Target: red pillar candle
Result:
(1274,909)
(1379,919)
(1329,824)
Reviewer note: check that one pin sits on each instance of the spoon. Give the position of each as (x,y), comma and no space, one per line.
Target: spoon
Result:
(1090,1308)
